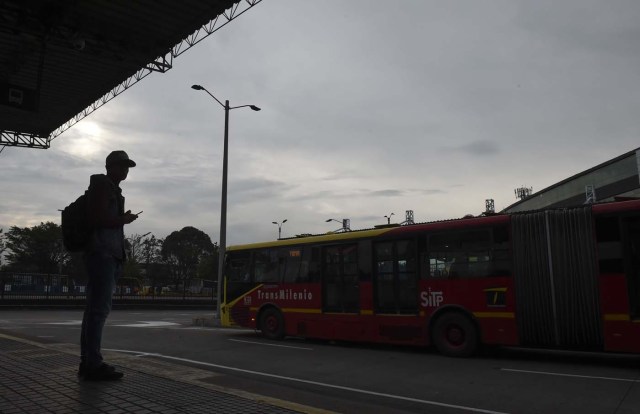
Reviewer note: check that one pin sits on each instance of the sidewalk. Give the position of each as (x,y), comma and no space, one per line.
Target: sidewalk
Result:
(41,378)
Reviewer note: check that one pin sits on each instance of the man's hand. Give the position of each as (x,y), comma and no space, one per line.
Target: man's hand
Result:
(129,217)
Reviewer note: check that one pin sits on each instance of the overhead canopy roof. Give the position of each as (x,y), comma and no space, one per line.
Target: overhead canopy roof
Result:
(61,60)
(618,178)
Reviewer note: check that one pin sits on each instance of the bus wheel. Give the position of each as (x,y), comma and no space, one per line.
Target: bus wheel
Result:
(455,335)
(272,324)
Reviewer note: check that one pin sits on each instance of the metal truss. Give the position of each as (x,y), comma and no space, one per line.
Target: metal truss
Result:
(408,218)
(162,63)
(590,194)
(18,139)
(489,206)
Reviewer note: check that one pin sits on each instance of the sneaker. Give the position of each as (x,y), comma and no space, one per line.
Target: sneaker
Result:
(82,369)
(103,372)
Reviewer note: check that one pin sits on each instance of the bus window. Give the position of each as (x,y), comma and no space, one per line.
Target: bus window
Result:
(315,263)
(238,274)
(296,264)
(238,266)
(407,280)
(438,265)
(340,279)
(474,253)
(632,247)
(609,239)
(501,251)
(267,266)
(385,295)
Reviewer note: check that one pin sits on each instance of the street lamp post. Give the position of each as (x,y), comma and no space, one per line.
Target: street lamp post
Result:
(223,205)
(279,227)
(389,218)
(346,224)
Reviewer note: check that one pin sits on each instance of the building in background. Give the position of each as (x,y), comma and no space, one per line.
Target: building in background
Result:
(615,179)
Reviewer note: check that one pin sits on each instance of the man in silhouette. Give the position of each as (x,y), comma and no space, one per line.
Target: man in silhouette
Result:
(103,257)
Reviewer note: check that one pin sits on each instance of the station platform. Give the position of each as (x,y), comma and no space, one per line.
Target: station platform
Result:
(41,378)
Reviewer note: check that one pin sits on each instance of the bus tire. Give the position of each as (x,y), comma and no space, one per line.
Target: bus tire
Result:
(455,335)
(272,324)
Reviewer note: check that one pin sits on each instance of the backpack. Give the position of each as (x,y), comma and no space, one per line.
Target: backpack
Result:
(75,225)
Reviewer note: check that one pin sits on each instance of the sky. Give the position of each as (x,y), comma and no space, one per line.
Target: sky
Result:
(369,108)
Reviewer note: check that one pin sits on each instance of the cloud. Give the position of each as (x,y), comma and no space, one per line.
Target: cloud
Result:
(481,148)
(384,193)
(432,107)
(434,191)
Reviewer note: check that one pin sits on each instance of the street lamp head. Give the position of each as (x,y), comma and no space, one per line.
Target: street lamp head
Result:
(255,108)
(284,221)
(197,87)
(274,223)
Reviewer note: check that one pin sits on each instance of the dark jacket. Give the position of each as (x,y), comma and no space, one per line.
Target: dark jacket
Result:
(105,239)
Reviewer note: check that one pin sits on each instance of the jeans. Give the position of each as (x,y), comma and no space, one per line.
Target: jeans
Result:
(102,270)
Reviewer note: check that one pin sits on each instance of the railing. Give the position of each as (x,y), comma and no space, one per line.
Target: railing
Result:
(24,289)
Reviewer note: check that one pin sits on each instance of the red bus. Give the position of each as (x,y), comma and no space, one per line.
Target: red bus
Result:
(556,278)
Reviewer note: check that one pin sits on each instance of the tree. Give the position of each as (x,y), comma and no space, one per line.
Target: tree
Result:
(208,266)
(134,247)
(131,269)
(151,250)
(36,249)
(156,271)
(182,251)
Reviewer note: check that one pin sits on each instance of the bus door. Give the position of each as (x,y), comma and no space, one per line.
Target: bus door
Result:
(340,285)
(237,282)
(395,277)
(631,240)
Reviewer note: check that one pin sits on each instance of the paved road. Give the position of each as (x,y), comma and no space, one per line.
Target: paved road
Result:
(355,378)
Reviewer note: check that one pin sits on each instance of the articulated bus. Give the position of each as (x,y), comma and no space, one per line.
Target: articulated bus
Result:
(557,278)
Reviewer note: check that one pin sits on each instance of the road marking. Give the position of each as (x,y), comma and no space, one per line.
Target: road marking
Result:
(265,344)
(210,328)
(147,324)
(135,353)
(560,374)
(63,323)
(316,383)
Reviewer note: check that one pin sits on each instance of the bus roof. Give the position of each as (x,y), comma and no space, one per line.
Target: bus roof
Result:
(392,230)
(372,233)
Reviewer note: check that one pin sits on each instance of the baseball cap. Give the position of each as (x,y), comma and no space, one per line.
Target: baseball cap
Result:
(119,157)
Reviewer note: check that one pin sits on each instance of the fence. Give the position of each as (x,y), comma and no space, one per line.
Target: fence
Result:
(32,289)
